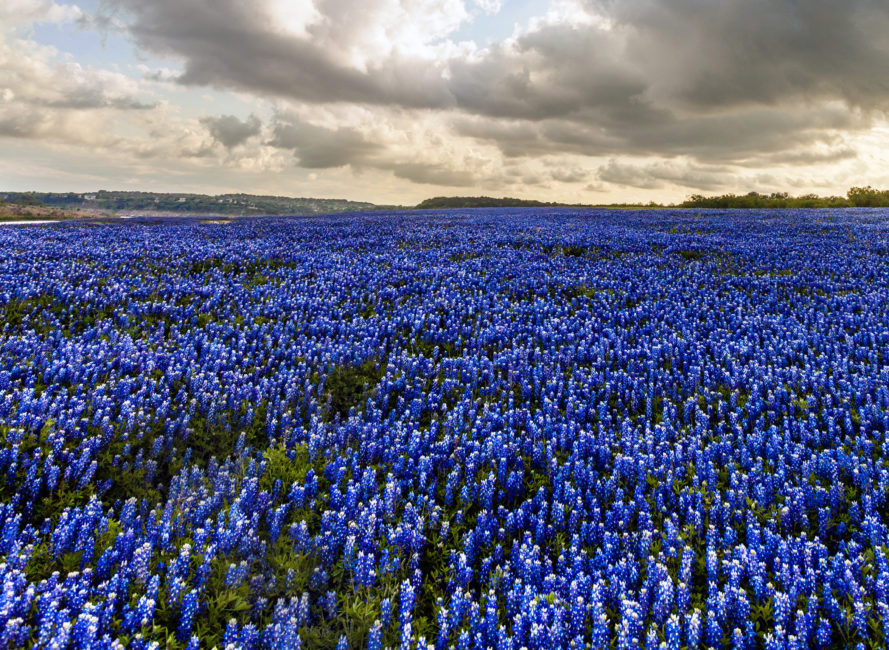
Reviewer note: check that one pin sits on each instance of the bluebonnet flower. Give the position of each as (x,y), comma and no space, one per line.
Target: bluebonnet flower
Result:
(673,633)
(562,427)
(693,631)
(375,638)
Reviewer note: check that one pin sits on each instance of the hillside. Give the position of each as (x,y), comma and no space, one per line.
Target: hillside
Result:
(446,202)
(184,203)
(39,212)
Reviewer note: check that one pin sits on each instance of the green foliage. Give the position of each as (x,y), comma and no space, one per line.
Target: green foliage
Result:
(574,251)
(424,346)
(63,497)
(445,202)
(248,204)
(464,256)
(218,438)
(583,291)
(349,385)
(43,563)
(285,466)
(859,197)
(868,197)
(757,200)
(30,199)
(184,203)
(856,197)
(691,255)
(45,313)
(223,604)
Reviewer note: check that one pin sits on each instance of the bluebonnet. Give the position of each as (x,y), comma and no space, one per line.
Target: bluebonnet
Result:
(187,613)
(645,428)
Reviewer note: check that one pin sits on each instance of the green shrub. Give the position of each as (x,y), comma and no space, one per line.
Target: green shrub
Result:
(348,386)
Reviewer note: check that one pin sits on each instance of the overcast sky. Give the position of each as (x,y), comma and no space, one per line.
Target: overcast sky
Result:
(394,101)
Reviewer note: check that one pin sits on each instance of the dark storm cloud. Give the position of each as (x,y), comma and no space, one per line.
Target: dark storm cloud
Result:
(704,52)
(231,44)
(21,125)
(433,174)
(718,81)
(568,175)
(317,147)
(229,131)
(629,175)
(657,175)
(558,71)
(86,98)
(734,52)
(815,157)
(720,137)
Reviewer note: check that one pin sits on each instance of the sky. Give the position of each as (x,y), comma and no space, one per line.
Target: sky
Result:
(393,101)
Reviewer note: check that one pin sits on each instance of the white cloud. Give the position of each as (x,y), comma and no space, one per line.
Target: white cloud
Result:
(489,7)
(383,29)
(40,76)
(292,17)
(23,12)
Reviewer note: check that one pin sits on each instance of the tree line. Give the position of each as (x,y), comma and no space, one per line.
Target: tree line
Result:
(856,197)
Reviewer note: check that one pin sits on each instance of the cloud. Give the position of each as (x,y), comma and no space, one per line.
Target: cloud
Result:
(49,97)
(654,53)
(317,147)
(39,77)
(657,175)
(434,174)
(489,6)
(229,131)
(713,79)
(816,155)
(24,12)
(380,55)
(645,94)
(557,71)
(569,174)
(733,136)
(741,52)
(412,152)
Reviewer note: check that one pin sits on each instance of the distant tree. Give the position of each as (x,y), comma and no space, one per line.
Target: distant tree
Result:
(443,202)
(857,196)
(868,197)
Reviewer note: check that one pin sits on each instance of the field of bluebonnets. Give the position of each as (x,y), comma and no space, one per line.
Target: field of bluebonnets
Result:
(488,429)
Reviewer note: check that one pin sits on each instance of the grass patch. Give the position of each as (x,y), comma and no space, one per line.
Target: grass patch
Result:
(691,255)
(349,385)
